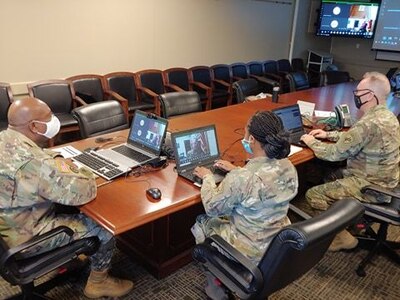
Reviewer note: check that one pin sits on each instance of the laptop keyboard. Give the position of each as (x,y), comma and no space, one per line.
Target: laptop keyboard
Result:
(131,153)
(99,165)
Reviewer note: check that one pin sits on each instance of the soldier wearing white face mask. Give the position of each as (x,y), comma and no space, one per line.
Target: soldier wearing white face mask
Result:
(33,179)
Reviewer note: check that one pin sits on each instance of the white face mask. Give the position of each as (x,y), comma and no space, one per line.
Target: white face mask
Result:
(52,127)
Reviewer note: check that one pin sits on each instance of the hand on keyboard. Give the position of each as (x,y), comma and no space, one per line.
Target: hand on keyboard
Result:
(201,172)
(224,165)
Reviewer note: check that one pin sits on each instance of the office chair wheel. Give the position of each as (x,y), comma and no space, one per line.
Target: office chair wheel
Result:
(361,272)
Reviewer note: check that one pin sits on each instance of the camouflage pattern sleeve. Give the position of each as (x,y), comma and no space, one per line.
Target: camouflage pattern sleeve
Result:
(63,183)
(333,136)
(348,144)
(220,200)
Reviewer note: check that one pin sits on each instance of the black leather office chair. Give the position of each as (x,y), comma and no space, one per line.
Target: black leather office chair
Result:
(284,66)
(239,71)
(92,88)
(298,64)
(177,79)
(257,71)
(298,81)
(244,88)
(60,96)
(19,269)
(334,77)
(293,251)
(179,103)
(122,86)
(384,214)
(216,92)
(6,97)
(100,118)
(149,85)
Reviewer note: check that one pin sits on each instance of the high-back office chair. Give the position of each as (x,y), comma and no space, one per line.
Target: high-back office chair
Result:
(298,64)
(60,96)
(179,103)
(284,66)
(92,88)
(100,118)
(292,252)
(177,79)
(256,71)
(271,71)
(384,214)
(122,87)
(244,88)
(239,71)
(334,77)
(298,81)
(222,72)
(19,269)
(218,92)
(6,97)
(150,84)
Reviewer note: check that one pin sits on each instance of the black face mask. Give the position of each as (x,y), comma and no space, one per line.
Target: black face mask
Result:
(357,101)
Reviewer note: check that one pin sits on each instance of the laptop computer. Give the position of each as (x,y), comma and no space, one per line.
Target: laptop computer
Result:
(292,122)
(196,147)
(144,142)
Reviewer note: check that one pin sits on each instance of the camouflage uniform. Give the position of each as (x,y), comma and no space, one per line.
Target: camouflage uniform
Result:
(371,147)
(31,181)
(249,206)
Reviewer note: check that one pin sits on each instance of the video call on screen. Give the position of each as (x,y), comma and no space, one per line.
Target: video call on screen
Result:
(147,131)
(387,34)
(196,146)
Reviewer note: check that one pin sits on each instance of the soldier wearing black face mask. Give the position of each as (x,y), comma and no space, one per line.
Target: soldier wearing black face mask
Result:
(370,146)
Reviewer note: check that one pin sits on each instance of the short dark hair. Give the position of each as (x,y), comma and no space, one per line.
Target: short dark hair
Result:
(267,128)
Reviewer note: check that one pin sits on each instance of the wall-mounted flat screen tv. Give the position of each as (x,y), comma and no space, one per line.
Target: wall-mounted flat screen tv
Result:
(387,33)
(349,18)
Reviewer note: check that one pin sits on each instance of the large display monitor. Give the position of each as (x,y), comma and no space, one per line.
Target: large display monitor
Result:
(387,34)
(349,18)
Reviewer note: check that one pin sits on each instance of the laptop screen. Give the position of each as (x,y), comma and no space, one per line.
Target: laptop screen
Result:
(147,131)
(195,147)
(291,117)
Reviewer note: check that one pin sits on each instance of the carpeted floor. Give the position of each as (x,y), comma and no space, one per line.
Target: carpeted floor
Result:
(333,278)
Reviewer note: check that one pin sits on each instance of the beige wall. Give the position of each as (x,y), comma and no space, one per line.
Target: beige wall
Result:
(46,39)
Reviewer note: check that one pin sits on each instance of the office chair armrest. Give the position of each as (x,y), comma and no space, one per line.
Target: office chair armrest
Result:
(231,267)
(200,85)
(36,240)
(381,190)
(146,91)
(265,80)
(223,83)
(142,90)
(79,101)
(111,95)
(173,88)
(272,76)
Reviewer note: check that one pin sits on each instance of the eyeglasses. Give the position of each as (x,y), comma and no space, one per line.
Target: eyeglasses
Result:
(355,92)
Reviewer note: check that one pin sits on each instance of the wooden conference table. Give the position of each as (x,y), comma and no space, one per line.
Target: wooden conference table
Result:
(158,233)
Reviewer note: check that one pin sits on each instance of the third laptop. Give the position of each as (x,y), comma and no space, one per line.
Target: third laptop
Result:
(196,147)
(144,141)
(292,122)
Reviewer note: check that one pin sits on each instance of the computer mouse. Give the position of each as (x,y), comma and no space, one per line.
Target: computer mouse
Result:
(154,193)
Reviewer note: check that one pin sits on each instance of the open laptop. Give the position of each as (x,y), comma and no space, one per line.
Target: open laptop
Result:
(144,142)
(292,122)
(196,147)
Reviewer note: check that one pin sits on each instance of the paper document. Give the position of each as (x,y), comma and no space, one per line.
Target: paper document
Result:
(294,149)
(306,108)
(324,113)
(258,97)
(67,151)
